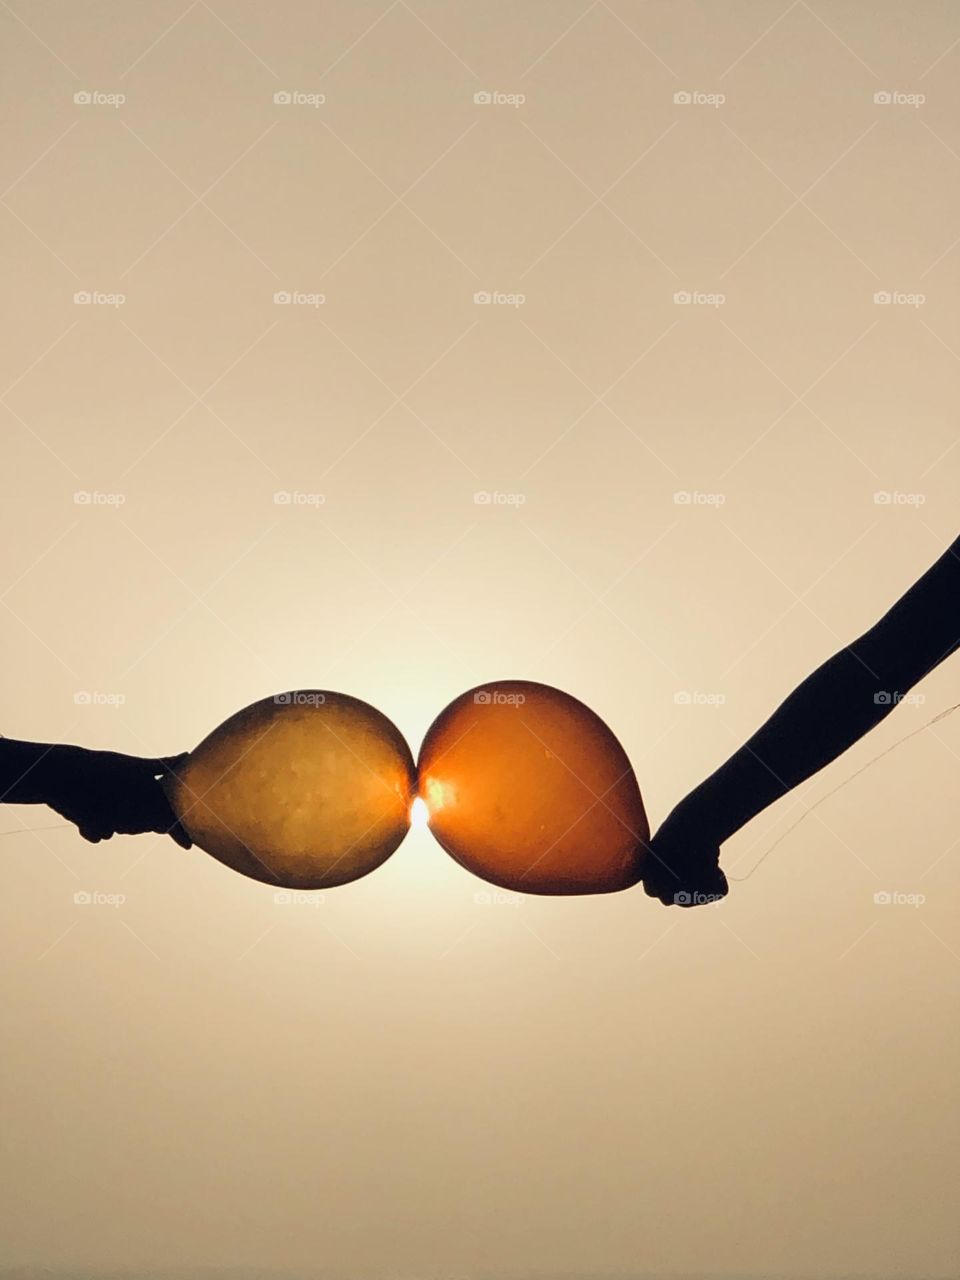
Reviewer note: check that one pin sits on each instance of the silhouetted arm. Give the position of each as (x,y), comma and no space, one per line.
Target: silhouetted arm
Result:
(103,792)
(833,707)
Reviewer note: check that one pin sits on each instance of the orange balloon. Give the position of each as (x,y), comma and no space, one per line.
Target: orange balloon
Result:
(304,790)
(527,788)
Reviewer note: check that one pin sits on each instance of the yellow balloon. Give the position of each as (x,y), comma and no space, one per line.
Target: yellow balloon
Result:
(303,790)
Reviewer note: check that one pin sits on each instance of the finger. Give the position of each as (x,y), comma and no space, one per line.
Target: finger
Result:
(706,894)
(166,826)
(658,884)
(710,887)
(178,835)
(154,812)
(94,833)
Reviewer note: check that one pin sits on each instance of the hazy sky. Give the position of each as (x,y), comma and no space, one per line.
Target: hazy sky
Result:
(718,326)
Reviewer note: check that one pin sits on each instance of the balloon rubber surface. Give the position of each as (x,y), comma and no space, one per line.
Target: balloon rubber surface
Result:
(528,788)
(304,790)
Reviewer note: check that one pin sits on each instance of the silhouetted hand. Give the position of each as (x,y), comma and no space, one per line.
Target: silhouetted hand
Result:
(682,867)
(106,793)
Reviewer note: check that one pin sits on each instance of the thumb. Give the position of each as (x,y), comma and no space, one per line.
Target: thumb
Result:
(178,834)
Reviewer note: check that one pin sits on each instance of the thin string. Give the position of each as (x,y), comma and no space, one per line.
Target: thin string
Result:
(26,831)
(839,787)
